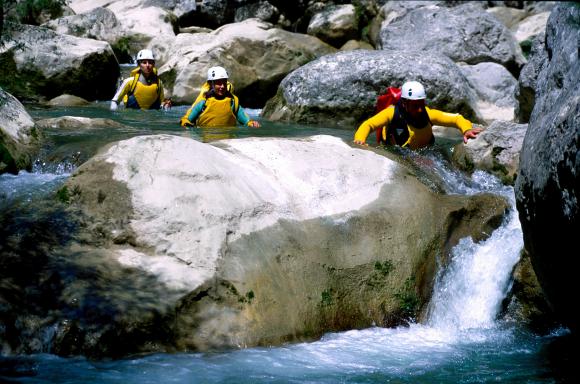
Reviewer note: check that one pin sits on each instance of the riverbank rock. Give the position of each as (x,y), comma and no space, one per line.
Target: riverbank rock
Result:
(19,137)
(255,54)
(465,33)
(245,242)
(39,63)
(494,87)
(496,150)
(548,187)
(525,92)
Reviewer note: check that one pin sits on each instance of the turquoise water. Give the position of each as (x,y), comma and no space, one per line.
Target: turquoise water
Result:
(466,339)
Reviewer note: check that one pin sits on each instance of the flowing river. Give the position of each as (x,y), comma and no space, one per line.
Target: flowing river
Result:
(466,338)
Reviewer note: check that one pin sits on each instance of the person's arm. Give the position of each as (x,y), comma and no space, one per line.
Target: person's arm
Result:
(192,113)
(378,121)
(121,92)
(454,120)
(244,119)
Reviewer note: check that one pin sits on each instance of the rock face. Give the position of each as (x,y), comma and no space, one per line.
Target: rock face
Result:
(255,54)
(99,24)
(496,150)
(335,25)
(465,33)
(341,89)
(527,82)
(245,242)
(548,187)
(37,62)
(494,87)
(19,138)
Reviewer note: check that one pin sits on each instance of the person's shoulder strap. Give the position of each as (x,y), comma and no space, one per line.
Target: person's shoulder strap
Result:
(235,104)
(134,82)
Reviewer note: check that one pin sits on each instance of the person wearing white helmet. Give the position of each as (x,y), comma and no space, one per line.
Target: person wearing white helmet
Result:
(216,105)
(143,89)
(409,122)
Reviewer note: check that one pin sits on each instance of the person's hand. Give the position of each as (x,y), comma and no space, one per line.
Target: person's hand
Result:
(184,122)
(113,105)
(253,124)
(471,134)
(167,104)
(361,142)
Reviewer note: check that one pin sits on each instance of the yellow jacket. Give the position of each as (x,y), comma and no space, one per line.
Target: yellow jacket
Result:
(134,94)
(212,112)
(418,137)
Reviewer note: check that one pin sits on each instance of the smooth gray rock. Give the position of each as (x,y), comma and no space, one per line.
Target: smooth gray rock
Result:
(341,89)
(40,63)
(495,150)
(525,92)
(19,137)
(465,33)
(548,182)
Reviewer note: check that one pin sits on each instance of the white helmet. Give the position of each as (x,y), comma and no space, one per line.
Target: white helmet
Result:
(413,90)
(145,54)
(215,73)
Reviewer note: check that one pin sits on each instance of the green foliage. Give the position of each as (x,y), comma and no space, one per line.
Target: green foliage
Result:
(526,46)
(29,11)
(408,300)
(326,298)
(248,298)
(122,49)
(64,195)
(384,268)
(381,271)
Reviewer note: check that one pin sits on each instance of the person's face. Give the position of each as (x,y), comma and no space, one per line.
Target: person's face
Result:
(146,66)
(414,107)
(219,86)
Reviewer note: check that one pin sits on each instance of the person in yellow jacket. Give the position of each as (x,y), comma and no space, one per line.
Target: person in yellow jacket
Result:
(409,122)
(143,90)
(216,105)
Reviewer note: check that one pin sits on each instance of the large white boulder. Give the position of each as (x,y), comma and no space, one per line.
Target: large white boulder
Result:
(257,241)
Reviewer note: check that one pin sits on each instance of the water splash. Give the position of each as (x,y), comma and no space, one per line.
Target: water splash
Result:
(468,294)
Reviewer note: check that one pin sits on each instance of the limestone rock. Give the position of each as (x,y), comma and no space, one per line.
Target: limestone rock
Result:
(256,55)
(335,25)
(495,150)
(41,63)
(67,101)
(341,89)
(465,33)
(221,240)
(19,137)
(548,187)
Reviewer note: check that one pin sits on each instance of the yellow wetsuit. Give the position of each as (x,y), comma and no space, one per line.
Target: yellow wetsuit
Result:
(135,93)
(418,137)
(208,111)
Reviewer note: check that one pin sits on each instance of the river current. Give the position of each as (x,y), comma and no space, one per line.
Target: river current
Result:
(466,338)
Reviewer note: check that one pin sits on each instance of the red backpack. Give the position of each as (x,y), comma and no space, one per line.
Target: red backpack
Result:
(390,97)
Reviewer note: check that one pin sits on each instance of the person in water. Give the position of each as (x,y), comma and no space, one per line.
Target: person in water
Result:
(216,105)
(143,90)
(409,122)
